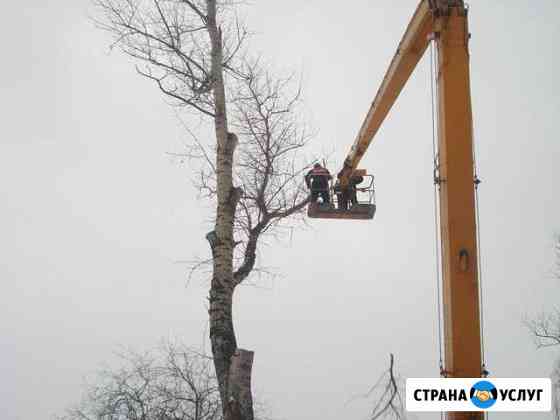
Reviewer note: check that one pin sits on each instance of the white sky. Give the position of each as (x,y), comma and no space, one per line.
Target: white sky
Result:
(95,216)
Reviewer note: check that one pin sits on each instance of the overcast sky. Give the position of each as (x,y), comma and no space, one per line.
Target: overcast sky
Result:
(96,218)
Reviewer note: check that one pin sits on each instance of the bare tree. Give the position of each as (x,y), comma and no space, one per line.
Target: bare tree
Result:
(194,51)
(546,326)
(545,329)
(174,383)
(387,396)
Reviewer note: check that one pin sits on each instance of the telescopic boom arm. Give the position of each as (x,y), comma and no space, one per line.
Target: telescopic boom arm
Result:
(410,51)
(446,22)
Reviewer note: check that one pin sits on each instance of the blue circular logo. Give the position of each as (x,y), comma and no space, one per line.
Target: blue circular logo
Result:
(484,394)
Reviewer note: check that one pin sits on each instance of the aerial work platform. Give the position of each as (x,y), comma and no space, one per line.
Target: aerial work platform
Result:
(359,204)
(360,211)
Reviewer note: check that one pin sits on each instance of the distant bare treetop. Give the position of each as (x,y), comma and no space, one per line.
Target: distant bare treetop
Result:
(545,329)
(173,383)
(546,326)
(387,394)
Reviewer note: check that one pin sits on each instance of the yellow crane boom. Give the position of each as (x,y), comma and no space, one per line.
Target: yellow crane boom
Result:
(445,21)
(409,52)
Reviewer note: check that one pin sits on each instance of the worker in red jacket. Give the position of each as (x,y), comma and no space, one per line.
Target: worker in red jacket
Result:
(317,180)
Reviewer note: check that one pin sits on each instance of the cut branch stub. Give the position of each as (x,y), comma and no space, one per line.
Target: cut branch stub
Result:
(212,239)
(232,142)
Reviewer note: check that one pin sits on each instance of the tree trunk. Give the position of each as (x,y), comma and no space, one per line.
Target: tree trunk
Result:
(222,334)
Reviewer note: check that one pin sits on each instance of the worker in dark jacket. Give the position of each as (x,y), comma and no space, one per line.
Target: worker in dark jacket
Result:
(317,180)
(346,196)
(354,181)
